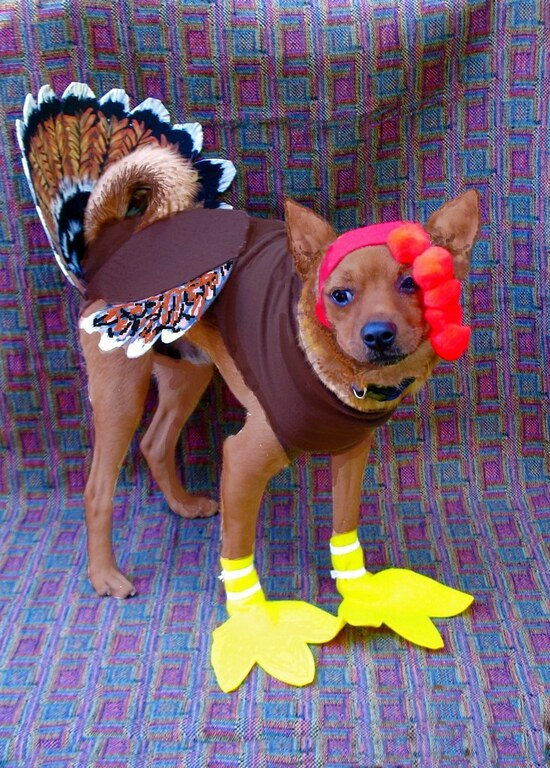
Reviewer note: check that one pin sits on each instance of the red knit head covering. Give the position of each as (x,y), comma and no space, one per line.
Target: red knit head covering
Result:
(432,269)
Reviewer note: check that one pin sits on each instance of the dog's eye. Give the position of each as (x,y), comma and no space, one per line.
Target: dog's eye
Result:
(341,296)
(407,285)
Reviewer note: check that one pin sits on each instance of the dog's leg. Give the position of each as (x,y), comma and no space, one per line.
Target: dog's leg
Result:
(272,634)
(347,482)
(250,459)
(399,598)
(181,384)
(117,390)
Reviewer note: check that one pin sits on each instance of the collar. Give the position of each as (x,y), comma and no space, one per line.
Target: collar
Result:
(382,394)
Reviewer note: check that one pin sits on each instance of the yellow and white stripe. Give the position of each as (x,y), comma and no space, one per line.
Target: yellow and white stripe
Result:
(347,556)
(241,582)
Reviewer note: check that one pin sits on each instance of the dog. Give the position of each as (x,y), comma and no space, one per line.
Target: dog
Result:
(357,327)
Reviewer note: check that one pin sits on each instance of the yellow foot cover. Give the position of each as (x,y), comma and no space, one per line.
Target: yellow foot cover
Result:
(403,600)
(273,634)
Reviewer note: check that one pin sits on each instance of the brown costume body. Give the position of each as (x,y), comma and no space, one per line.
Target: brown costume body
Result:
(255,454)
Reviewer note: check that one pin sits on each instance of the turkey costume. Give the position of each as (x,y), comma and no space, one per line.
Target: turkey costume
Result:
(159,281)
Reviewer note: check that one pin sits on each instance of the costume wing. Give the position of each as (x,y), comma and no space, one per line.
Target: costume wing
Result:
(168,315)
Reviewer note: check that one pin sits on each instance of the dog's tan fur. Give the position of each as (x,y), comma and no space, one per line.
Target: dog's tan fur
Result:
(254,455)
(154,180)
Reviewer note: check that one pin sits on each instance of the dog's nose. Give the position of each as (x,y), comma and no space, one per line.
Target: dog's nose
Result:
(378,335)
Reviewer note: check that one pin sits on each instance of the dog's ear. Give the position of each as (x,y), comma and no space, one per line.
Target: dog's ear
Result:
(456,226)
(309,236)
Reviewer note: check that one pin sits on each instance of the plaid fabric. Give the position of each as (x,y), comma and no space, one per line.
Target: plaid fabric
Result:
(367,111)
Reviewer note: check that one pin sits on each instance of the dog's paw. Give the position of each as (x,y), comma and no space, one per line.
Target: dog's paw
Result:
(404,601)
(194,506)
(110,582)
(273,635)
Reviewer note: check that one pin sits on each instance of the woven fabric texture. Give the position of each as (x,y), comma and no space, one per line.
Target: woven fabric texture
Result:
(366,110)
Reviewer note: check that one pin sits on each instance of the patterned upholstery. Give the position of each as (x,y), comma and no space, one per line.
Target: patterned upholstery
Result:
(366,110)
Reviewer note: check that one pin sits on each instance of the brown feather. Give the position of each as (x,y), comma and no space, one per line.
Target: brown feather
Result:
(116,140)
(70,143)
(61,138)
(90,149)
(54,155)
(103,132)
(40,162)
(133,136)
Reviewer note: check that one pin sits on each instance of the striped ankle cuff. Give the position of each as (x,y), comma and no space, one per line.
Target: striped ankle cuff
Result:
(241,580)
(347,556)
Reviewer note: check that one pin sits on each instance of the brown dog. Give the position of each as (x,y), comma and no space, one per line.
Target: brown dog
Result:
(339,355)
(318,337)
